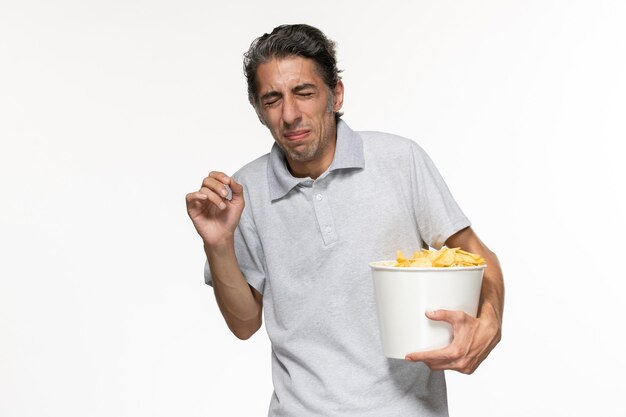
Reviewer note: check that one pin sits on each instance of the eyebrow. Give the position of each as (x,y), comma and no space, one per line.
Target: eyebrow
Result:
(271,94)
(297,89)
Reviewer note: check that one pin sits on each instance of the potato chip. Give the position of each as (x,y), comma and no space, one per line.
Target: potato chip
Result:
(401,260)
(421,262)
(443,258)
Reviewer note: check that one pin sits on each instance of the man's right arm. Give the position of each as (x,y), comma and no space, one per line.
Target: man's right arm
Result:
(240,304)
(215,219)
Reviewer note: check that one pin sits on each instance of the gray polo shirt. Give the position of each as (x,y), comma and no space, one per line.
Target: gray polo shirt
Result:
(305,245)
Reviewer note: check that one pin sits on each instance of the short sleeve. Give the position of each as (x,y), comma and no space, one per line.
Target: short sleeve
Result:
(438,216)
(249,253)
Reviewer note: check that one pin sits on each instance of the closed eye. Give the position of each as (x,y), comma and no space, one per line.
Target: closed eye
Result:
(270,98)
(271,102)
(305,90)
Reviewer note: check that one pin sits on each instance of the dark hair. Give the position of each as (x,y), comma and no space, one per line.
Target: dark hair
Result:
(287,40)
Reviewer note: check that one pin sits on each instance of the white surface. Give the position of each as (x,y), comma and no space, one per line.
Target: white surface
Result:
(111,111)
(404,295)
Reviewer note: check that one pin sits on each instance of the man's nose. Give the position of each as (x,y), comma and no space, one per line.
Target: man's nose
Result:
(291,111)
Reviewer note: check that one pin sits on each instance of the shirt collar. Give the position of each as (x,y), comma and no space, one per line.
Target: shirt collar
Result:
(348,154)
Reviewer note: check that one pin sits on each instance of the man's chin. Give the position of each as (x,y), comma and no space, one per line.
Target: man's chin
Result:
(299,153)
(299,157)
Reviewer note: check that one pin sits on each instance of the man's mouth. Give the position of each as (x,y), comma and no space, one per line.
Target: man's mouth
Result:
(297,134)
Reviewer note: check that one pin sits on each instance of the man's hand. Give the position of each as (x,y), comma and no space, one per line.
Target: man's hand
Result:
(473,339)
(213,215)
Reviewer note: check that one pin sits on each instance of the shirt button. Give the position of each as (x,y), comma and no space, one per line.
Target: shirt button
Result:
(318,197)
(328,229)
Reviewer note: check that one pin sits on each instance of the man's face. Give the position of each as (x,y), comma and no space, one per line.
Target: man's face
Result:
(298,109)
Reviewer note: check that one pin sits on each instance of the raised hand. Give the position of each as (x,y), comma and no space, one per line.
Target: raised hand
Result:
(214,216)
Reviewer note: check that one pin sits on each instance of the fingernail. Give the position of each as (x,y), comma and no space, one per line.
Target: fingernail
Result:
(224,192)
(222,205)
(228,195)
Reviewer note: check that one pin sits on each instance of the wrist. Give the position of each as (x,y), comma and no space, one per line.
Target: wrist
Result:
(219,247)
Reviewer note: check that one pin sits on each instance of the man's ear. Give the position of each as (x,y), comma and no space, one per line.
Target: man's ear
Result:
(338,95)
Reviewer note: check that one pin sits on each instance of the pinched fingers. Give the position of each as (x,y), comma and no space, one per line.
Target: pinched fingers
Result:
(226,187)
(219,177)
(215,187)
(217,182)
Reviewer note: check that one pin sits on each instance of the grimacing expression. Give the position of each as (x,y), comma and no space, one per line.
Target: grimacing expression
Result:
(298,108)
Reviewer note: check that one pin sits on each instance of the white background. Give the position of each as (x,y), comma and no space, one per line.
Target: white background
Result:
(111,111)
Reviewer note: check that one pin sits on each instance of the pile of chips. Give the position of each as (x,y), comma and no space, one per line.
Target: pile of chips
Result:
(445,257)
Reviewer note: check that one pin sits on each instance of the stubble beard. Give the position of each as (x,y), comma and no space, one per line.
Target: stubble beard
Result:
(309,153)
(314,149)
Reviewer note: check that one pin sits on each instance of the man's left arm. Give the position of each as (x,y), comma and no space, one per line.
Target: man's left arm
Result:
(474,338)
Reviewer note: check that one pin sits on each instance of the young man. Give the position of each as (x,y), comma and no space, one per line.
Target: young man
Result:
(301,225)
